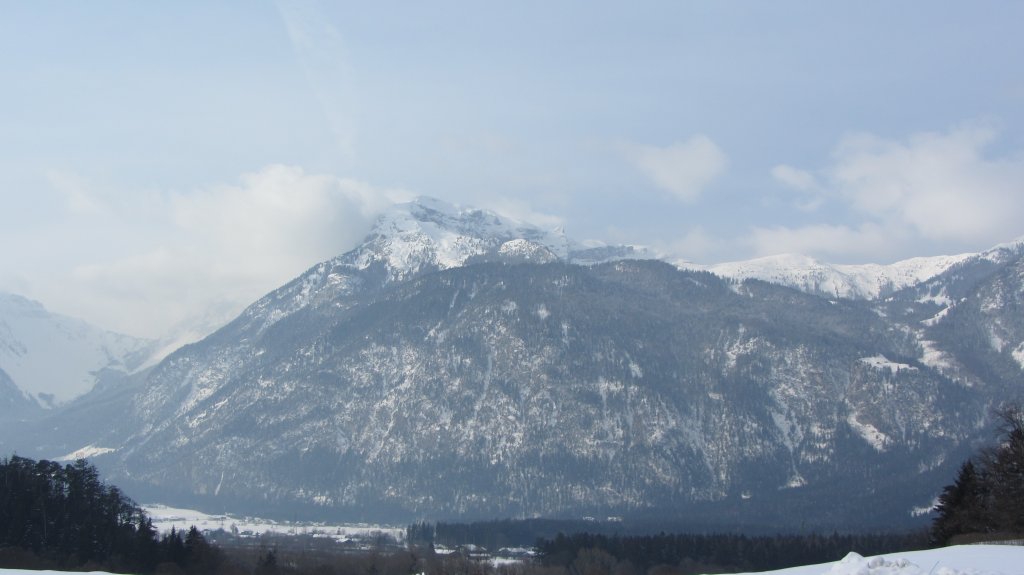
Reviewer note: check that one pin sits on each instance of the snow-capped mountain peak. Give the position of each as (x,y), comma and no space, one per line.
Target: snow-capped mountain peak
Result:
(429,233)
(426,235)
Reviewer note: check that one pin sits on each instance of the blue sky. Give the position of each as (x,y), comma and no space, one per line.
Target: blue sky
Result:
(158,160)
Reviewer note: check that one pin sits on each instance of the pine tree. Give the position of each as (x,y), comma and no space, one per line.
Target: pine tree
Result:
(1004,465)
(172,548)
(987,496)
(962,506)
(200,557)
(67,516)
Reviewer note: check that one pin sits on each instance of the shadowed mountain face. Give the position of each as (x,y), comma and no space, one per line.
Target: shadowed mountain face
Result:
(502,390)
(445,371)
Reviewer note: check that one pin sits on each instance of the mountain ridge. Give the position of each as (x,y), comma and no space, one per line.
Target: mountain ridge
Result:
(857,281)
(429,233)
(461,371)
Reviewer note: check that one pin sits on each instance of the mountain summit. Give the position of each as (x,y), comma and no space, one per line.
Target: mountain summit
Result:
(429,234)
(423,236)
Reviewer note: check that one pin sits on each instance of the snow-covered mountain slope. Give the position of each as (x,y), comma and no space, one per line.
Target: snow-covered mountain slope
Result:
(53,358)
(866,281)
(970,320)
(863,281)
(431,234)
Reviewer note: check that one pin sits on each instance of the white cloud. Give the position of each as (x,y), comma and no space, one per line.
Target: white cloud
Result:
(276,216)
(939,184)
(811,195)
(795,178)
(935,187)
(320,50)
(863,243)
(684,169)
(696,244)
(76,196)
(217,248)
(524,212)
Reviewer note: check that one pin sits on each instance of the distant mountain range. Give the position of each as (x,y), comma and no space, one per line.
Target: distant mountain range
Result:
(461,364)
(866,281)
(51,359)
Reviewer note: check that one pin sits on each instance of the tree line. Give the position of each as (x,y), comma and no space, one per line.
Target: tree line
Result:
(711,553)
(587,550)
(55,516)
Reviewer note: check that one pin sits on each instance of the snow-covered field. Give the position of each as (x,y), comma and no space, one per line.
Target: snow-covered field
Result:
(958,560)
(164,518)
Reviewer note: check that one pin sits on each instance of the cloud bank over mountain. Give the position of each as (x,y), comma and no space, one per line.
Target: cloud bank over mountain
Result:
(939,187)
(169,256)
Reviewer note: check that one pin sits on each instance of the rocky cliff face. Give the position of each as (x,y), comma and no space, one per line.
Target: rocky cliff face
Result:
(457,364)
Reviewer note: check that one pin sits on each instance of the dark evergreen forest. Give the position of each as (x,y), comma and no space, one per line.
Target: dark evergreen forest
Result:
(986,501)
(712,553)
(64,517)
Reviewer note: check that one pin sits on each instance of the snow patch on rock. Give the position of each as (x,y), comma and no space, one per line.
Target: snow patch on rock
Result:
(869,433)
(795,481)
(880,362)
(85,453)
(1018,354)
(934,357)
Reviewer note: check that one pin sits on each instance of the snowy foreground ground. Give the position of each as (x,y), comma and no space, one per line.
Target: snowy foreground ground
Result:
(959,560)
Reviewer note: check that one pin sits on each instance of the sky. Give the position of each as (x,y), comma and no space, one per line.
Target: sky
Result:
(161,163)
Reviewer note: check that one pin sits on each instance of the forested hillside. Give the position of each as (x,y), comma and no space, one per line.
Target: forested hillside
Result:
(64,517)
